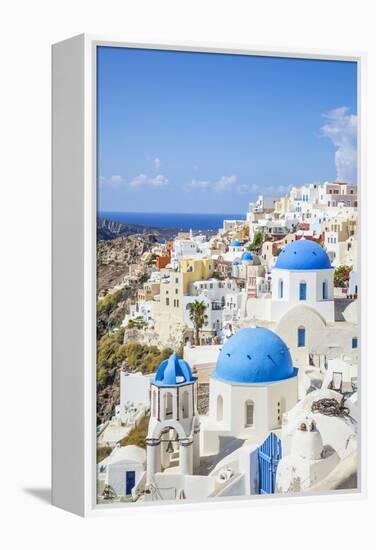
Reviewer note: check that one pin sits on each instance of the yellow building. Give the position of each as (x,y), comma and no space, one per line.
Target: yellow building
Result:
(169,315)
(195,270)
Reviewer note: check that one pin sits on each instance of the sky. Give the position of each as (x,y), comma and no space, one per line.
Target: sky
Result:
(196,132)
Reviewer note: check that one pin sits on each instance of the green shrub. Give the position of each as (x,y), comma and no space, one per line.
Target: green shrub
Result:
(137,436)
(102,453)
(258,239)
(101,376)
(341,276)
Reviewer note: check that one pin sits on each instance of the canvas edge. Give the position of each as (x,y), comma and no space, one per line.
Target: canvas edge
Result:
(68,380)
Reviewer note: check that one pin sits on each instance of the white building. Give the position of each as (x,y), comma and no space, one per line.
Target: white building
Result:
(221,298)
(302,275)
(301,309)
(262,204)
(192,247)
(142,311)
(133,406)
(122,470)
(174,424)
(134,388)
(253,384)
(319,451)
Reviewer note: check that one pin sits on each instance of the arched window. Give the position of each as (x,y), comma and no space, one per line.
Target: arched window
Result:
(249,410)
(302,290)
(219,408)
(167,400)
(280,288)
(185,405)
(325,290)
(154,397)
(301,337)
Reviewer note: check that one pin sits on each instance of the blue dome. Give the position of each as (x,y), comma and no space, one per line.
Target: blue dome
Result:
(254,356)
(247,256)
(235,243)
(303,254)
(173,371)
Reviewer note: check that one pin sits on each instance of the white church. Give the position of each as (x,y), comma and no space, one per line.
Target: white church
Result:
(301,308)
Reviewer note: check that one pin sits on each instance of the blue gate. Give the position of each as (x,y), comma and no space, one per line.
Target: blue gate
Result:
(130,481)
(269,454)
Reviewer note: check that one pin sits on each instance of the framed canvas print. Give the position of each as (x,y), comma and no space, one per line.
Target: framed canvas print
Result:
(207,279)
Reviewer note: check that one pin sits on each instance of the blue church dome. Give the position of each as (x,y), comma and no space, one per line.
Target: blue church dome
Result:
(247,256)
(304,255)
(254,356)
(173,371)
(235,243)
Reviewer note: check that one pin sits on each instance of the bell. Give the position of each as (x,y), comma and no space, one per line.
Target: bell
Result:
(170,447)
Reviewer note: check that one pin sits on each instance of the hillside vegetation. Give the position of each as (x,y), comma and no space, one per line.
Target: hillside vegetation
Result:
(112,357)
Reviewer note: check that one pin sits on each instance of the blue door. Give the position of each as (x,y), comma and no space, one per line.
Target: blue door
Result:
(130,481)
(269,454)
(303,291)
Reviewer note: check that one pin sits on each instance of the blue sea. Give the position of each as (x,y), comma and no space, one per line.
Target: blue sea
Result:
(178,221)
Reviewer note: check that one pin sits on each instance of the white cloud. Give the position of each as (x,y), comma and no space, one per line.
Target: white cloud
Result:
(243,188)
(112,181)
(341,129)
(143,180)
(157,164)
(158,181)
(225,183)
(199,185)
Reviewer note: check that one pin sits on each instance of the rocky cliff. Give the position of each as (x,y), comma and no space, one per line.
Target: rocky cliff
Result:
(115,257)
(108,230)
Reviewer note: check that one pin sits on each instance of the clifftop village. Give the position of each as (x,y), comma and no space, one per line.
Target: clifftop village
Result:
(258,392)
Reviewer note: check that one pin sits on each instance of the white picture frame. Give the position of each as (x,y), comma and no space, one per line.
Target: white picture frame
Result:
(74,268)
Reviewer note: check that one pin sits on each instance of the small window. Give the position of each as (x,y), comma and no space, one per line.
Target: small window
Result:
(354,343)
(324,290)
(280,288)
(301,337)
(302,291)
(167,301)
(249,409)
